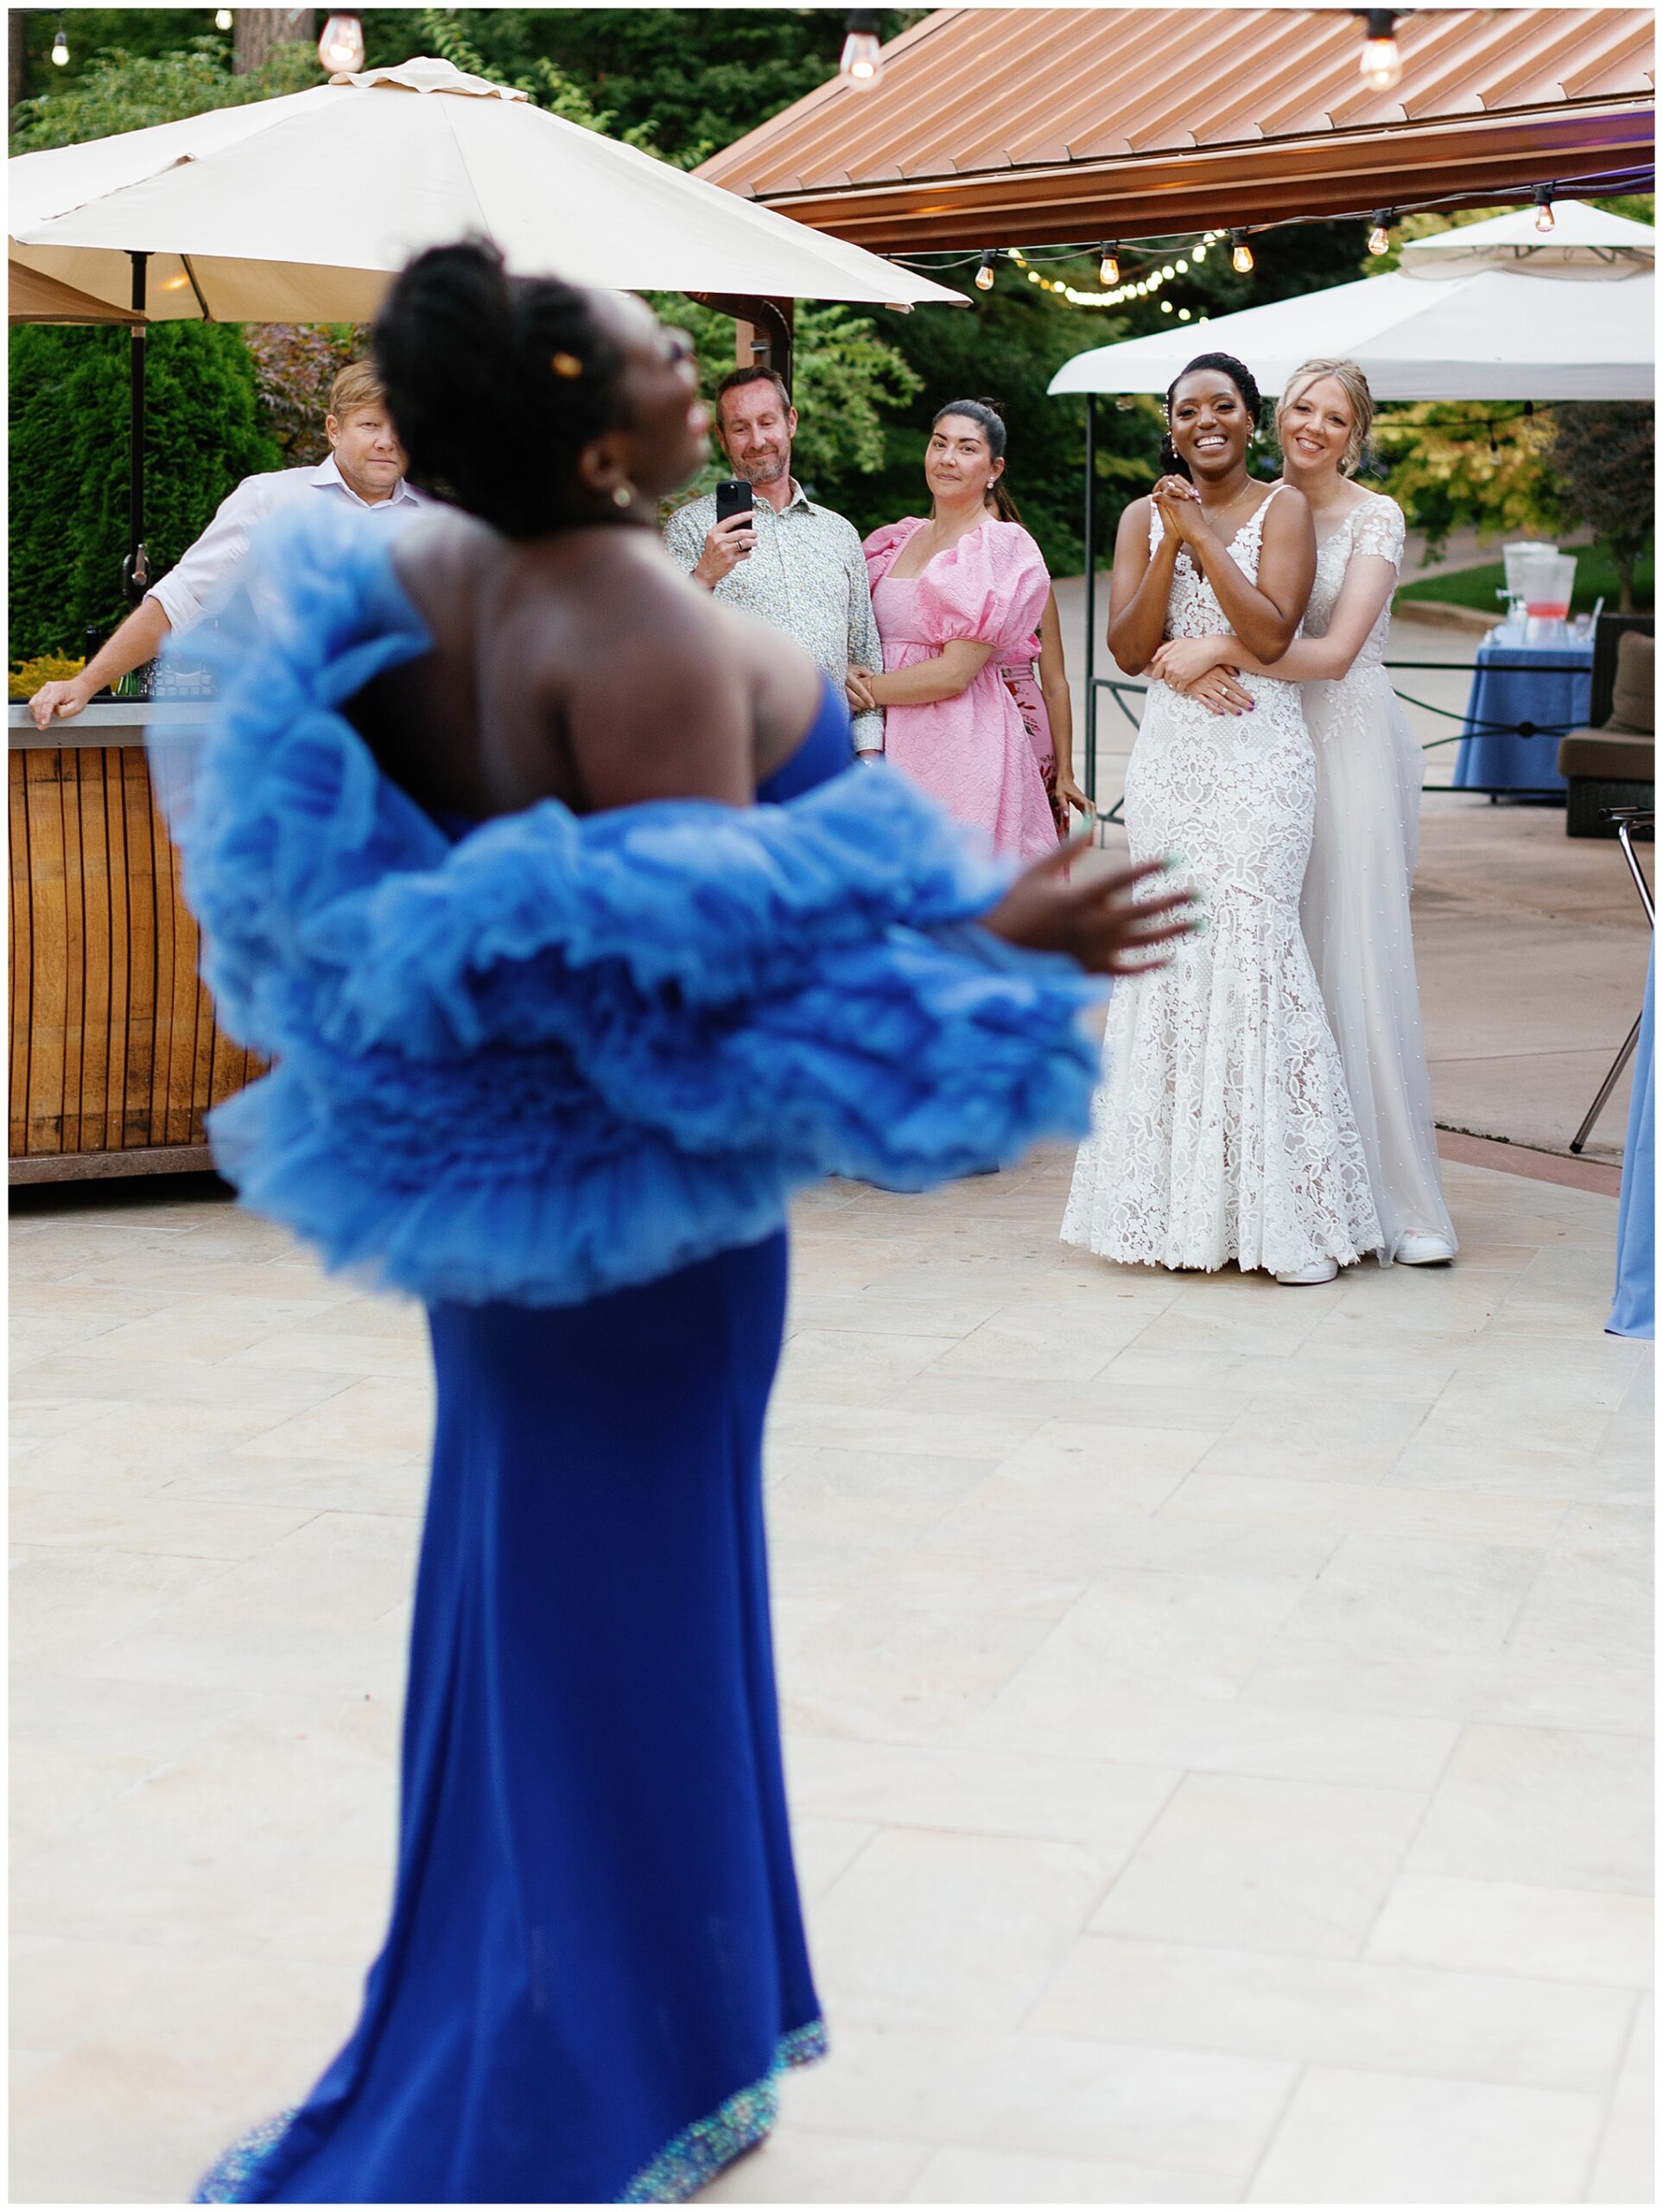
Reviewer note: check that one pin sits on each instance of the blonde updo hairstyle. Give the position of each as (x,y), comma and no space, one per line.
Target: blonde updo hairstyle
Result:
(1351,378)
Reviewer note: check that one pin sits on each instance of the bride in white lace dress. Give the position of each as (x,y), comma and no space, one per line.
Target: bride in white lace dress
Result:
(1356,907)
(1222,1131)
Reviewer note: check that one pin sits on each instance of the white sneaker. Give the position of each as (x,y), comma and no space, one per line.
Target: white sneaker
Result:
(1324,1271)
(1424,1248)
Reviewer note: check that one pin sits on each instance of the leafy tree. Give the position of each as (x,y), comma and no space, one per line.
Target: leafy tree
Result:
(141,33)
(1449,464)
(454,36)
(68,515)
(682,82)
(122,91)
(1605,458)
(295,364)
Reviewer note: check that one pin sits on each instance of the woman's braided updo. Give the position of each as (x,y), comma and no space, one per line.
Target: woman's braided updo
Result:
(495,384)
(1173,463)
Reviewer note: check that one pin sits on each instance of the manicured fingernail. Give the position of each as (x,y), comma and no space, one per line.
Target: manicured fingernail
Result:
(1172,860)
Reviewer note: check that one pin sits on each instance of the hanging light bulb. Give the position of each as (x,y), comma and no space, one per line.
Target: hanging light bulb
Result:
(340,50)
(1108,269)
(1381,65)
(222,19)
(861,63)
(984,273)
(60,46)
(1241,255)
(1544,197)
(1380,238)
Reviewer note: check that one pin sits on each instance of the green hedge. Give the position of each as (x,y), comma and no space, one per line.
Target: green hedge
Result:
(68,468)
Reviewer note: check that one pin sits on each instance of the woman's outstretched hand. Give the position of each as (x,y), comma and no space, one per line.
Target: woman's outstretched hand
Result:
(1095,919)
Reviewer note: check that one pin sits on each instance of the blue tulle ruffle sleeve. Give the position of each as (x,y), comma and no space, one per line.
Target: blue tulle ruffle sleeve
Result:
(566,1055)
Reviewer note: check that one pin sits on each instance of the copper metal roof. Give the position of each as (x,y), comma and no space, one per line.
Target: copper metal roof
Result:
(1018,125)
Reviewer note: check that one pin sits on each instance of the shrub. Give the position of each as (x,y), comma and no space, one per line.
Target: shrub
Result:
(24,682)
(69,464)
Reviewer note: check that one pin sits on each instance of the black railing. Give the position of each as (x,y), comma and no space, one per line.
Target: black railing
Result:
(1120,688)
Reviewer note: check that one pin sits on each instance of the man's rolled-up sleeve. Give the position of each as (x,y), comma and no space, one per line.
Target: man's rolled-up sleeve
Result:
(191,581)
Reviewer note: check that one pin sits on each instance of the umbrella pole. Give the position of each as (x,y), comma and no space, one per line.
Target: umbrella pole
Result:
(1089,533)
(135,572)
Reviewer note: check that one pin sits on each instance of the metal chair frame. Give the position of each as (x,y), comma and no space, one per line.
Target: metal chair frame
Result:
(1627,819)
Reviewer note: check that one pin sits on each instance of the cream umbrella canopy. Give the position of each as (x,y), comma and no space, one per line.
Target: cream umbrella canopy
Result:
(302,208)
(31,297)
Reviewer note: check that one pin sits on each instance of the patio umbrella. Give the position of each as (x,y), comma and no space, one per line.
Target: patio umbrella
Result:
(32,297)
(302,209)
(1496,310)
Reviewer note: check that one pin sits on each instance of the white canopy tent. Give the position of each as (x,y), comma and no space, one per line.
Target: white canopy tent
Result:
(1495,310)
(302,209)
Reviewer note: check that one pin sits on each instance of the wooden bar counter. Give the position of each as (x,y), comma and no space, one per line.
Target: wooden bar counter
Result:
(115,1056)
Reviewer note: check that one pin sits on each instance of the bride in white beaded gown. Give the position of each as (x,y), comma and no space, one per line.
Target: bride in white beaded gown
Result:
(1355,907)
(1222,1131)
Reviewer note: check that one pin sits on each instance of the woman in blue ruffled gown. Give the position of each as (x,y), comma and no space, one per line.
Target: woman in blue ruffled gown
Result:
(559,1018)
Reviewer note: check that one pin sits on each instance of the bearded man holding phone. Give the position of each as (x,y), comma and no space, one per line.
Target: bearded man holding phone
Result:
(760,543)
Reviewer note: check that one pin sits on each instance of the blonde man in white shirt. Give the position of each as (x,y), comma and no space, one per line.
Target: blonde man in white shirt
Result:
(364,472)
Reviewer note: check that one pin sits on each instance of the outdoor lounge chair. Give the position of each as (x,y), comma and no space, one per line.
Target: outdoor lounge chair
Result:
(1609,763)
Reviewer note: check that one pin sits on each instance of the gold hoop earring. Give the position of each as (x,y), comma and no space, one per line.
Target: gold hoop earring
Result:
(623,494)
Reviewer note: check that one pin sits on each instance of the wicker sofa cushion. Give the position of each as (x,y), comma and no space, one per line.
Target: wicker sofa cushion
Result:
(1609,755)
(1633,703)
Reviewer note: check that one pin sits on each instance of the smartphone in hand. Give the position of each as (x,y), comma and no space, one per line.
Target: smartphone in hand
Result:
(734,498)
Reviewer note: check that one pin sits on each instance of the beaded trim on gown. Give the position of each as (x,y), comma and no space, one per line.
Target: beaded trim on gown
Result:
(1356,905)
(1222,1130)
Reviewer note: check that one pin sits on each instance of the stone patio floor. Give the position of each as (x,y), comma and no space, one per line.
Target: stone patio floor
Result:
(1216,1714)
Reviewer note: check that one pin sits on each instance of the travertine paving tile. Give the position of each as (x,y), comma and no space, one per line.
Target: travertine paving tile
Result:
(1568,1807)
(1053,2094)
(800,2166)
(1399,2138)
(1255,1865)
(977,1792)
(1496,1926)
(932,1924)
(961,2177)
(1339,2011)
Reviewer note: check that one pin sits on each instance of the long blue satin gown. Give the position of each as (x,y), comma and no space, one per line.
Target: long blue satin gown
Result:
(596,1968)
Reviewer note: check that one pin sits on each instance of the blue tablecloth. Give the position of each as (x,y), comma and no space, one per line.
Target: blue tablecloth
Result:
(1517,682)
(1635,1311)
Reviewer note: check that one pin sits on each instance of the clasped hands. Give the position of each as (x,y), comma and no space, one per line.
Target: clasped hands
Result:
(857,690)
(1201,669)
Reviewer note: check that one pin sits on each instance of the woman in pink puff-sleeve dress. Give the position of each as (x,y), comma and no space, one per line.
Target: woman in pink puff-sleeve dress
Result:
(986,588)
